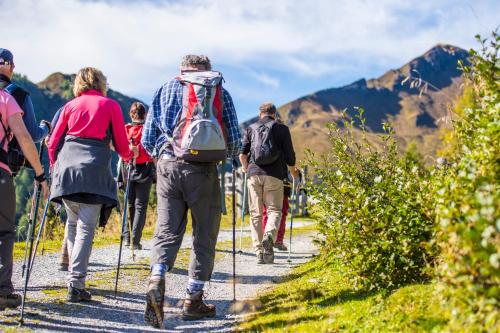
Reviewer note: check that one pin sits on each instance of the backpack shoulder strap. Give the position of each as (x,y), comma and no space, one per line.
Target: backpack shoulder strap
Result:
(18,93)
(3,154)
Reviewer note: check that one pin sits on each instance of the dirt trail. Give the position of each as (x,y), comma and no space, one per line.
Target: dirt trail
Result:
(47,310)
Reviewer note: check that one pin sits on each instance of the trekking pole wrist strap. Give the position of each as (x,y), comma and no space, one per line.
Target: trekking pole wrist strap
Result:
(41,177)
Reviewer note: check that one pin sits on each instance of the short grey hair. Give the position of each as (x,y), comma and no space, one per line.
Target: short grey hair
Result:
(198,61)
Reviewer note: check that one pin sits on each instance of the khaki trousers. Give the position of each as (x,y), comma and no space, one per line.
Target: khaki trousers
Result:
(268,191)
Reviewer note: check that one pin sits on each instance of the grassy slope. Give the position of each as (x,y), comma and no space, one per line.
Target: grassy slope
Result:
(316,298)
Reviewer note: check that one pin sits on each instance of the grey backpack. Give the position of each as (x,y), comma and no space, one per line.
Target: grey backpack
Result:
(199,134)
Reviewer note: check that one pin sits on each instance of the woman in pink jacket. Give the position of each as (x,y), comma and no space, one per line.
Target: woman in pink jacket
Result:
(80,157)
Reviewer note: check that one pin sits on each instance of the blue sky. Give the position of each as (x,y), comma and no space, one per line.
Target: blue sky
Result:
(267,50)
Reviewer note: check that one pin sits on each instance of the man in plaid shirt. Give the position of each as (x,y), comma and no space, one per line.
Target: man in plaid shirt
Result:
(184,185)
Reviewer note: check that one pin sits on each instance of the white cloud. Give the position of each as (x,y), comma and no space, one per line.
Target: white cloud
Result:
(266,79)
(138,44)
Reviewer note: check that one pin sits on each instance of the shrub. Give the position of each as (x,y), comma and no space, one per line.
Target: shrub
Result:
(468,202)
(372,206)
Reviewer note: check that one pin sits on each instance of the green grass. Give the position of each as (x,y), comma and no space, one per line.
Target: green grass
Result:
(317,298)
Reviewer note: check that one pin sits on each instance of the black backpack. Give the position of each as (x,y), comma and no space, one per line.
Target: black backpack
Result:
(263,149)
(14,156)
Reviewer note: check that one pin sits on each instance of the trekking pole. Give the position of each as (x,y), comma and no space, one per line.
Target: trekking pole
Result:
(124,221)
(234,227)
(30,219)
(44,235)
(294,194)
(30,238)
(129,221)
(243,204)
(40,231)
(34,205)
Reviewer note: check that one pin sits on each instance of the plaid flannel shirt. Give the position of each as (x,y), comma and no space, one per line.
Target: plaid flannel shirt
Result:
(165,110)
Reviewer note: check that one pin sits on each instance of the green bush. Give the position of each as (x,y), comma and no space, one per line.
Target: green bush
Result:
(373,207)
(468,203)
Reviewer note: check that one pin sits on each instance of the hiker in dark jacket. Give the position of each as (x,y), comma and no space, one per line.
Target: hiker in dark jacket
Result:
(265,178)
(12,125)
(81,169)
(141,178)
(184,184)
(37,132)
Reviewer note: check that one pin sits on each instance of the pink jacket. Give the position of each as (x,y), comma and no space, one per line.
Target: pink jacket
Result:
(89,116)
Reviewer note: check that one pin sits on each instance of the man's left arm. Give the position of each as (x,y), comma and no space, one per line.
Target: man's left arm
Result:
(150,131)
(37,132)
(288,151)
(230,120)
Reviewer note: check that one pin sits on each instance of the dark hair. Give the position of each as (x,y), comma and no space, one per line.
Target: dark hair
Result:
(198,61)
(267,108)
(137,111)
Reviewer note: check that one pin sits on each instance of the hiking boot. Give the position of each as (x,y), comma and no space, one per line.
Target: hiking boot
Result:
(280,247)
(10,301)
(78,295)
(63,267)
(153,315)
(260,258)
(267,244)
(137,246)
(194,308)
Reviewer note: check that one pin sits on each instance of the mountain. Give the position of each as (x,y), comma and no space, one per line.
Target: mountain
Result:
(416,113)
(55,90)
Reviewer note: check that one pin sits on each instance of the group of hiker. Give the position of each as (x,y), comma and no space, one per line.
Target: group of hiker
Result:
(190,128)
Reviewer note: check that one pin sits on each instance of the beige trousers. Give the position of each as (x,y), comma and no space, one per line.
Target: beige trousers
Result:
(268,191)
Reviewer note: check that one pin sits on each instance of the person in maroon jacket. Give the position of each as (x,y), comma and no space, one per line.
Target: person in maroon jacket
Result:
(80,157)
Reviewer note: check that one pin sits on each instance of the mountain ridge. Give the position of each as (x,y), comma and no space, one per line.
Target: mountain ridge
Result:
(416,112)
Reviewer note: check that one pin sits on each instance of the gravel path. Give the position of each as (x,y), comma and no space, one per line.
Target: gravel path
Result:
(47,310)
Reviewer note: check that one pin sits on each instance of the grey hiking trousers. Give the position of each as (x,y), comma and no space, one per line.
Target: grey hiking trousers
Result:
(182,186)
(7,231)
(79,235)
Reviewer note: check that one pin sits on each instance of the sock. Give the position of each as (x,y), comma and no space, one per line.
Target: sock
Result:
(194,285)
(159,270)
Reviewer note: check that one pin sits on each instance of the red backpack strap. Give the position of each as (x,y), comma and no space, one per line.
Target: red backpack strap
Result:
(188,105)
(218,108)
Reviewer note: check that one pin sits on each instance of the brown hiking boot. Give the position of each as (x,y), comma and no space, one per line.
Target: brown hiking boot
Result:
(10,301)
(280,247)
(153,314)
(267,244)
(194,308)
(260,258)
